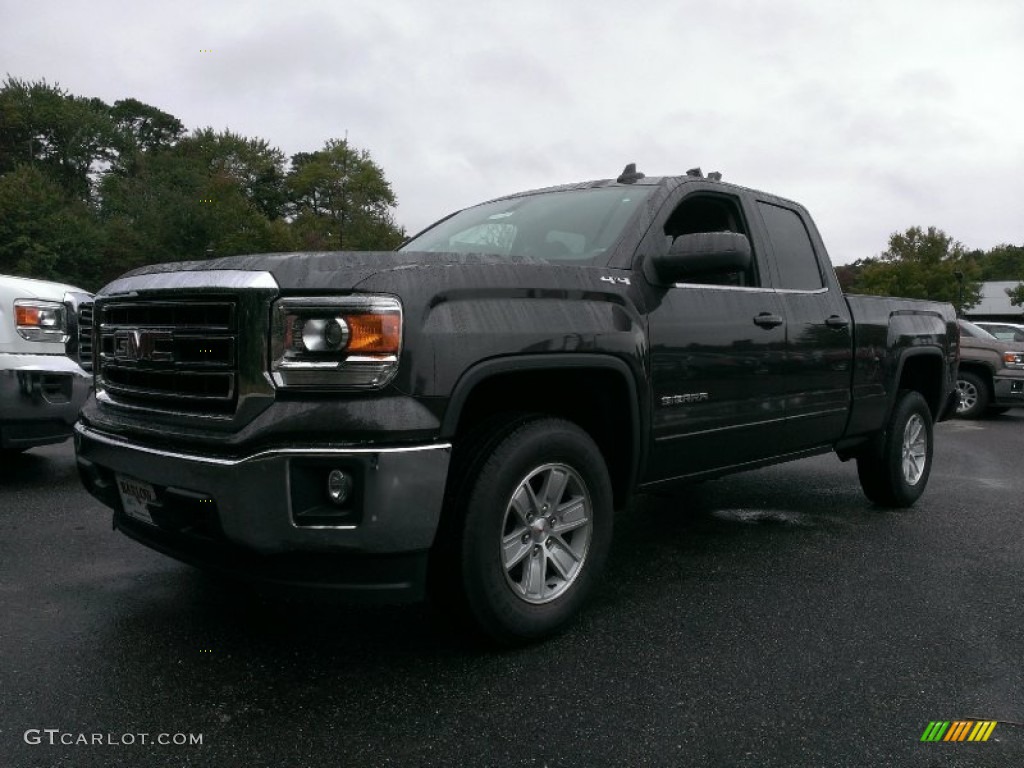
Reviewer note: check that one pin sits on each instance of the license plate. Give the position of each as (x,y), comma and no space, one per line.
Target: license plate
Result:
(135,494)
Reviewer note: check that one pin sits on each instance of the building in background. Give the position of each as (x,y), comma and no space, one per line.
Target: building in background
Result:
(995,304)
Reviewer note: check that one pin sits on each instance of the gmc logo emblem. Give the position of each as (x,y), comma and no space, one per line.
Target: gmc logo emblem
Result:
(150,346)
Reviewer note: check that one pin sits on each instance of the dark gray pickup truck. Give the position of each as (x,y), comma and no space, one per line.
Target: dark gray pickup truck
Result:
(991,373)
(462,416)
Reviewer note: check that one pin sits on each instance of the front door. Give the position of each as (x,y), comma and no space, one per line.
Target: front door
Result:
(717,357)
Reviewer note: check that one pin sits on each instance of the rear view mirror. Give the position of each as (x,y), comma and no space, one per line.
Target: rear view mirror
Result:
(703,253)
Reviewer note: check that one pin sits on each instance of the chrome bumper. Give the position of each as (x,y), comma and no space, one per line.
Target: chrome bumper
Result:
(399,491)
(242,515)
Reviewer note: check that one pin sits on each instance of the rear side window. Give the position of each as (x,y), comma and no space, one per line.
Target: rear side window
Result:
(794,255)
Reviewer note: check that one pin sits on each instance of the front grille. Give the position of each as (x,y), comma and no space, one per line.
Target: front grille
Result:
(84,351)
(171,355)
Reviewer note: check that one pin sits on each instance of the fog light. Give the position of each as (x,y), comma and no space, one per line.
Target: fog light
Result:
(339,486)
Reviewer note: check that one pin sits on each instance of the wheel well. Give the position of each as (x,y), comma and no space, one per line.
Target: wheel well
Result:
(982,371)
(924,374)
(597,400)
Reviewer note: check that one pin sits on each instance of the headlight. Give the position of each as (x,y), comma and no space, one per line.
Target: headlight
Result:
(338,342)
(1013,359)
(41,320)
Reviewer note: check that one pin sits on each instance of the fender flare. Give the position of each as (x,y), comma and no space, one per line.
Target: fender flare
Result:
(487,369)
(905,355)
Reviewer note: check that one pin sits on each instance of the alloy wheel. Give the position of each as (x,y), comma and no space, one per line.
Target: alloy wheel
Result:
(546,533)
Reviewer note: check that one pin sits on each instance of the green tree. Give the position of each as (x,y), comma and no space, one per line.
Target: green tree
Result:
(141,128)
(1003,262)
(211,194)
(68,137)
(44,232)
(921,264)
(847,275)
(1016,295)
(340,199)
(252,165)
(89,191)
(144,127)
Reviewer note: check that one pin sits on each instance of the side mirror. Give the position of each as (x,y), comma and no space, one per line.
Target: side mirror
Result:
(702,253)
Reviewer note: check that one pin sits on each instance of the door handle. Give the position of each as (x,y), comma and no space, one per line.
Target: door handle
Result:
(767,320)
(837,322)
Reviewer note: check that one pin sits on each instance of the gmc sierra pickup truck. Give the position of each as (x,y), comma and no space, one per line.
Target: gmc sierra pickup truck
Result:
(991,373)
(461,417)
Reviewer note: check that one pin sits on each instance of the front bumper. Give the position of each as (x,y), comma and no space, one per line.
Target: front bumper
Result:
(1008,388)
(266,515)
(40,397)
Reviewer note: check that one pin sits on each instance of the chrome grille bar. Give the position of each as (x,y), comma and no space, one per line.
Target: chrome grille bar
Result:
(85,319)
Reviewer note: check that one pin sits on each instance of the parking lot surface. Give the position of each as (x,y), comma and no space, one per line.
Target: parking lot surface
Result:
(771,618)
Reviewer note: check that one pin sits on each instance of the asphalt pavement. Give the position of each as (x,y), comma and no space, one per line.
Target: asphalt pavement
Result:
(773,618)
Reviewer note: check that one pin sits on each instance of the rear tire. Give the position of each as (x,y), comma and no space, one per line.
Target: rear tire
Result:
(894,470)
(974,397)
(534,525)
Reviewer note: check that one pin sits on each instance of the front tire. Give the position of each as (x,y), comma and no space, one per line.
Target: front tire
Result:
(537,525)
(973,391)
(894,470)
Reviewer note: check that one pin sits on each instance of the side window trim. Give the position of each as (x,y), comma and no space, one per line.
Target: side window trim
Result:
(717,287)
(803,291)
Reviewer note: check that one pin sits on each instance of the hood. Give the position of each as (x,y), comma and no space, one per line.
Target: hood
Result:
(332,270)
(999,345)
(30,288)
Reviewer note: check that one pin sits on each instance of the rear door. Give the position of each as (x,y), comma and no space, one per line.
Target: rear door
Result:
(819,333)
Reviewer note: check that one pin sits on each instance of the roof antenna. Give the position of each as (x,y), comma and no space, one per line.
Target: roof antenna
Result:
(630,175)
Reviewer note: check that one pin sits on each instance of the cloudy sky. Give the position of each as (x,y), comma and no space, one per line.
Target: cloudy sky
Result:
(878,115)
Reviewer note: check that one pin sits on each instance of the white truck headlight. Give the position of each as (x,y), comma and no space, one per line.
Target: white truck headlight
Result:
(349,342)
(41,320)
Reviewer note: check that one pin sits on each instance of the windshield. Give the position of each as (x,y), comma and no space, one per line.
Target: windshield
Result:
(1004,332)
(975,331)
(572,226)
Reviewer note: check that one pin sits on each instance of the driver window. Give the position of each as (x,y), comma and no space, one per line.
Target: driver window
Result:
(706,213)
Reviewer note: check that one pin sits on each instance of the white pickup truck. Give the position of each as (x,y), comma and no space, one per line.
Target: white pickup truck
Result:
(42,384)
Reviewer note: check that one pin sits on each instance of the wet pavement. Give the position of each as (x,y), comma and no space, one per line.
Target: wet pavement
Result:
(770,618)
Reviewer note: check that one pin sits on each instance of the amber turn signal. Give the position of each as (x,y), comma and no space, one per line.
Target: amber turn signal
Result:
(27,315)
(374,334)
